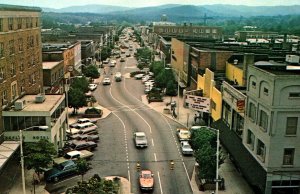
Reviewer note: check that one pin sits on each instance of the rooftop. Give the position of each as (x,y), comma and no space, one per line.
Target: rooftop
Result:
(278,68)
(31,106)
(50,65)
(5,7)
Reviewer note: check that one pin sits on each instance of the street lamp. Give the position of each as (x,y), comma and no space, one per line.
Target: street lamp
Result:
(217,155)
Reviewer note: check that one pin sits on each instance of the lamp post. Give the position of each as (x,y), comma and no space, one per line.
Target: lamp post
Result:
(217,160)
(22,162)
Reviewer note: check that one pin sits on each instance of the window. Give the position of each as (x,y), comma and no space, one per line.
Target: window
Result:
(294,95)
(14,91)
(214,31)
(1,49)
(13,69)
(19,21)
(263,120)
(253,83)
(207,31)
(250,139)
(20,43)
(288,156)
(11,47)
(1,24)
(252,111)
(1,74)
(22,86)
(266,91)
(37,39)
(291,125)
(21,66)
(261,150)
(10,23)
(4,95)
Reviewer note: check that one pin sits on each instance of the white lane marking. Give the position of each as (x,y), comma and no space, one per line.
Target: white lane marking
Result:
(161,191)
(152,142)
(178,151)
(129,107)
(155,159)
(129,176)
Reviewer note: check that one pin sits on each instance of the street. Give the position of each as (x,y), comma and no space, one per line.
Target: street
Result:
(117,155)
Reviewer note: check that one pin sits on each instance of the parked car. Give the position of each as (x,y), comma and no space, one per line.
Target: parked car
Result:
(93,112)
(139,76)
(92,87)
(186,148)
(60,171)
(81,121)
(83,145)
(85,137)
(106,81)
(73,155)
(146,180)
(85,126)
(140,139)
(183,134)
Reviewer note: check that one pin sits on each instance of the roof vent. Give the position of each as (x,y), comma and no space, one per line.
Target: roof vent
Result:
(40,98)
(20,104)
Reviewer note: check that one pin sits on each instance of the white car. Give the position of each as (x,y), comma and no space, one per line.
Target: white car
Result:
(140,139)
(92,87)
(149,81)
(186,148)
(146,78)
(106,81)
(139,76)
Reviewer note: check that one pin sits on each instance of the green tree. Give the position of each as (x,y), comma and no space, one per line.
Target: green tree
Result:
(76,99)
(96,184)
(38,155)
(105,53)
(171,89)
(204,144)
(80,83)
(82,166)
(91,71)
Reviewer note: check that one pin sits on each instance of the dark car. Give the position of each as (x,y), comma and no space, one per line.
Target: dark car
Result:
(83,145)
(60,171)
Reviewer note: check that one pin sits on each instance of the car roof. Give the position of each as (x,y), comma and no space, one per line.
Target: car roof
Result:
(83,119)
(140,134)
(85,124)
(146,172)
(72,153)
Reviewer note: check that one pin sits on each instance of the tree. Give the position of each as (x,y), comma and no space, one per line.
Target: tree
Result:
(171,89)
(76,99)
(38,155)
(82,166)
(96,184)
(203,142)
(91,71)
(105,53)
(80,83)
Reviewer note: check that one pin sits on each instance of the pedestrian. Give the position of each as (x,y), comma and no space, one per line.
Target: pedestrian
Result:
(195,118)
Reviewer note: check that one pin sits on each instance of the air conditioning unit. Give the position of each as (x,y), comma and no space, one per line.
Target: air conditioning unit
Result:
(40,98)
(20,104)
(292,58)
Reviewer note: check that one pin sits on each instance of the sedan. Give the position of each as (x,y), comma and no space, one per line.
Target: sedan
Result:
(92,87)
(106,81)
(186,148)
(139,76)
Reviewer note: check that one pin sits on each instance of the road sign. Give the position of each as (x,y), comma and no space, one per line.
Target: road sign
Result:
(198,103)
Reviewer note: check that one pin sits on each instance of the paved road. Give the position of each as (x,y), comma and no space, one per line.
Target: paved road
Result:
(117,155)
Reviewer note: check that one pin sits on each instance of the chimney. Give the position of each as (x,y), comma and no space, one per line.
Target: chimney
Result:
(248,60)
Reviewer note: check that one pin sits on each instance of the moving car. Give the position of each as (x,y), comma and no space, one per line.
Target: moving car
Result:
(140,139)
(112,63)
(146,180)
(186,148)
(127,54)
(183,134)
(118,77)
(60,171)
(73,155)
(106,81)
(92,87)
(122,59)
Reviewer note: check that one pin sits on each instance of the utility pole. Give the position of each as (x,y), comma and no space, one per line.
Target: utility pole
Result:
(22,161)
(178,80)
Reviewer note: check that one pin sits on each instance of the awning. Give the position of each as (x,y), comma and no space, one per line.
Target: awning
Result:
(7,148)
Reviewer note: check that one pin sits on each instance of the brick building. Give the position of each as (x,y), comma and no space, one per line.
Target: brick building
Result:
(20,54)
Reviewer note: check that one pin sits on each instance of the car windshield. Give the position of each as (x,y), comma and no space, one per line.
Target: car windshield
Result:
(185,133)
(186,146)
(140,137)
(146,176)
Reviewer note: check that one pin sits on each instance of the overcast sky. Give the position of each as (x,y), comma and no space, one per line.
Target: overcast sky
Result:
(144,3)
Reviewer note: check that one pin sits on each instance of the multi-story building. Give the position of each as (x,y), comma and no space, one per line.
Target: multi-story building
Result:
(39,117)
(20,54)
(272,124)
(53,74)
(70,53)
(189,31)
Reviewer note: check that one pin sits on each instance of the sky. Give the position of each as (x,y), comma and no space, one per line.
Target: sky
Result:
(145,3)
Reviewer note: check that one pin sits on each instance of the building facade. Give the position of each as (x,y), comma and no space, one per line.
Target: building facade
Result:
(271,126)
(53,74)
(20,54)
